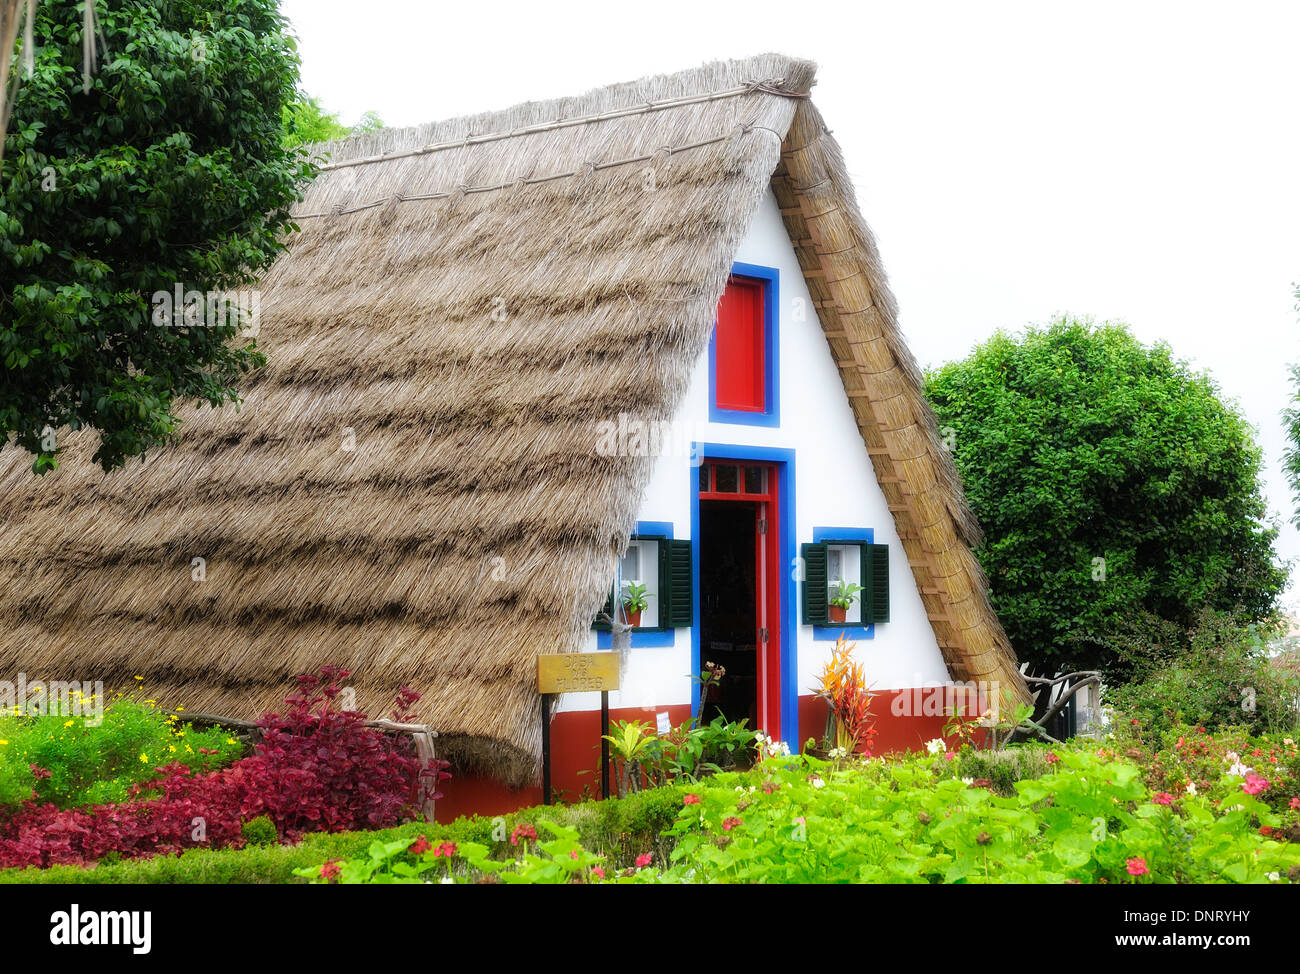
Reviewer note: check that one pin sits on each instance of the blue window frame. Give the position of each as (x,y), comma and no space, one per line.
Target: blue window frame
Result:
(771,415)
(663,634)
(854,630)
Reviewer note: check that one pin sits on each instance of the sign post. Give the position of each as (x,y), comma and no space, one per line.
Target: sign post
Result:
(576,673)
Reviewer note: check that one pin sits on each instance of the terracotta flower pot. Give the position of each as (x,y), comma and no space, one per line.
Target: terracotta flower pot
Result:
(837,613)
(633,616)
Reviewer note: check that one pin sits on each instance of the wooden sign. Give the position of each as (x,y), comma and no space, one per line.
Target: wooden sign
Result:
(575,672)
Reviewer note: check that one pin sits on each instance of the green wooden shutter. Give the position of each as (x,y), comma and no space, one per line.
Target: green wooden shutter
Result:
(878,589)
(816,600)
(676,606)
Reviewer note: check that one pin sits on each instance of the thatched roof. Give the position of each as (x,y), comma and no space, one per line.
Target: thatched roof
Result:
(474,525)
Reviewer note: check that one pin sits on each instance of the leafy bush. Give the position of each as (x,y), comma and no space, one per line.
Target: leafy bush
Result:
(1216,674)
(1002,769)
(317,769)
(259,831)
(67,762)
(794,819)
(687,752)
(1110,479)
(1190,760)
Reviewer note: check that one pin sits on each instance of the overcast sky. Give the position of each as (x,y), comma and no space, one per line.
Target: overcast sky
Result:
(1137,162)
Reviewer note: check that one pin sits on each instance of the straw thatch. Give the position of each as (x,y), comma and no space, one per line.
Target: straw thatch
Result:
(470,314)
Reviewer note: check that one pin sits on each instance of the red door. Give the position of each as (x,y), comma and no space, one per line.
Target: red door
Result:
(739,498)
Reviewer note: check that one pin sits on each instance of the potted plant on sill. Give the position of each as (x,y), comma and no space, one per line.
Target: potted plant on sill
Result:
(634,602)
(843,595)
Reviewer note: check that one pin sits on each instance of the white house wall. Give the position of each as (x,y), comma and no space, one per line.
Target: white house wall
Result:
(835,485)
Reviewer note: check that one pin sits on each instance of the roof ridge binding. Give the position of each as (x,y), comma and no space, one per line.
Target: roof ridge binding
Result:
(340,210)
(771,86)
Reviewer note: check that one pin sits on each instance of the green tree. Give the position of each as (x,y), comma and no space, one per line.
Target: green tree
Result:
(169,172)
(1291,420)
(306,121)
(1110,480)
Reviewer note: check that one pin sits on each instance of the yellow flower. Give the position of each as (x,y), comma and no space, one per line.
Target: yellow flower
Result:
(139,678)
(2,743)
(144,758)
(171,748)
(231,740)
(68,723)
(178,709)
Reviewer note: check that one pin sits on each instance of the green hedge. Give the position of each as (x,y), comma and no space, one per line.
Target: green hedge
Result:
(620,828)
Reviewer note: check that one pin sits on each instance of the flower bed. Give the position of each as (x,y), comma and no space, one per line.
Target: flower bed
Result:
(317,768)
(795,819)
(74,760)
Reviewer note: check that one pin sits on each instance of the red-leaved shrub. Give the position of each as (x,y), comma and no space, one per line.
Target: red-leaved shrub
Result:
(317,769)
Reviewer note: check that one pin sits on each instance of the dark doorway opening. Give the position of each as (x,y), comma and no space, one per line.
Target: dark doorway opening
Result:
(729,606)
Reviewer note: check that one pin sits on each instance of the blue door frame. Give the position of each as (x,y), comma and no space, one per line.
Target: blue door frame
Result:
(783,460)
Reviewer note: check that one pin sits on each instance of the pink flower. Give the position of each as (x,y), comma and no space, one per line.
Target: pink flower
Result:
(419,845)
(447,849)
(730,823)
(1162,798)
(950,756)
(1052,758)
(1254,784)
(330,870)
(525,832)
(598,872)
(644,860)
(573,853)
(1137,867)
(1295,803)
(691,800)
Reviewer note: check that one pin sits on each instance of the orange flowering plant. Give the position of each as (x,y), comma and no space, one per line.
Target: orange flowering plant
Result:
(849,726)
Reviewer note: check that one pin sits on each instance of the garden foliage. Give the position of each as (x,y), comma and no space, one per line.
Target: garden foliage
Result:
(1090,817)
(317,768)
(1110,480)
(75,760)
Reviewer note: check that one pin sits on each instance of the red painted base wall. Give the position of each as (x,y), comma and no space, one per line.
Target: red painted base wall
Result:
(575,747)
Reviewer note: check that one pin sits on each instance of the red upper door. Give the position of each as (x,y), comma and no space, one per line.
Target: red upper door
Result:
(739,349)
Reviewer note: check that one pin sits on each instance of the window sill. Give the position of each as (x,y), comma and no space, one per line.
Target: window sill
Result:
(640,638)
(855,630)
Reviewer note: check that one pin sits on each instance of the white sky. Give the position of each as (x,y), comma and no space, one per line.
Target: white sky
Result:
(1121,160)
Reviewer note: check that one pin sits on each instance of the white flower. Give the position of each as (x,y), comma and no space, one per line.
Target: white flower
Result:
(1239,770)
(816,781)
(1232,758)
(935,746)
(968,781)
(448,881)
(1191,787)
(1274,877)
(740,788)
